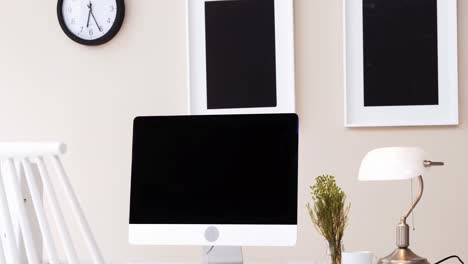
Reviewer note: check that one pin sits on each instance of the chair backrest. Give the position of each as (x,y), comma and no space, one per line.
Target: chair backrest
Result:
(30,159)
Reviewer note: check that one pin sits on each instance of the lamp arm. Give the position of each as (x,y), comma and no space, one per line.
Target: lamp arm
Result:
(418,198)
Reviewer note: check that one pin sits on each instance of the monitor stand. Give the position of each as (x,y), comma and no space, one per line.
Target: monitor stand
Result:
(222,255)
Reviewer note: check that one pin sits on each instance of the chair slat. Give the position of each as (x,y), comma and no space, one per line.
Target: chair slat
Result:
(31,251)
(40,212)
(67,242)
(2,253)
(78,211)
(8,236)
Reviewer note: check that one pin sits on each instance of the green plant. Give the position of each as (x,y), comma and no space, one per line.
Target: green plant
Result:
(329,213)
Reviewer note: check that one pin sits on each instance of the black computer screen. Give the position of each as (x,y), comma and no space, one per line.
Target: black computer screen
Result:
(240,54)
(223,169)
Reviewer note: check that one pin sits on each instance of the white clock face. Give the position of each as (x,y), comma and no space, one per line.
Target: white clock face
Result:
(89,19)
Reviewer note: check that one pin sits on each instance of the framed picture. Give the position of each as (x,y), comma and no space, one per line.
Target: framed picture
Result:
(400,63)
(241,56)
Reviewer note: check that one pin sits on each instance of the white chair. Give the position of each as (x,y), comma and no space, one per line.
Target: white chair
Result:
(23,167)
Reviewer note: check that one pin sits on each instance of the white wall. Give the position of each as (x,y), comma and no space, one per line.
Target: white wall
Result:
(54,89)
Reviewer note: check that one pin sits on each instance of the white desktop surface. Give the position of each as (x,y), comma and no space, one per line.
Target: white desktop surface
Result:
(199,262)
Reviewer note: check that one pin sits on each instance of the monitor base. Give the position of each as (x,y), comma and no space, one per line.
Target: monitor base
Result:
(222,255)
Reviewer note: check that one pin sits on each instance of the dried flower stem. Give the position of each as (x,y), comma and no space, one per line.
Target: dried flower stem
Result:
(329,214)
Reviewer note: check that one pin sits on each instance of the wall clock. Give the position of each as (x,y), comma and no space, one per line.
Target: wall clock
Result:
(91,22)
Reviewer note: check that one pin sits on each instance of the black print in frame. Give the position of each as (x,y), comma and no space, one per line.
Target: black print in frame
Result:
(240,54)
(400,52)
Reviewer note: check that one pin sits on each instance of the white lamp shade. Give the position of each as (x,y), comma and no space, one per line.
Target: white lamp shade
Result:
(396,163)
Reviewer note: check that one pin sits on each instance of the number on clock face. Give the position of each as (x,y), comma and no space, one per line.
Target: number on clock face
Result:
(89,19)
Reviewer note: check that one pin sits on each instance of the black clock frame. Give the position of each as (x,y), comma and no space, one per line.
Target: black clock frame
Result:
(119,18)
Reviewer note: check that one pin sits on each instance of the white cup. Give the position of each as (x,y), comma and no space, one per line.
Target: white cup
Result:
(358,257)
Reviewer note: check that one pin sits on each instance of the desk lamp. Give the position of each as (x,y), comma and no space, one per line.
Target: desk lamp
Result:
(398,163)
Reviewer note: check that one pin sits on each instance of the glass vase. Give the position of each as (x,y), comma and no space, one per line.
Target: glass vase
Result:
(335,250)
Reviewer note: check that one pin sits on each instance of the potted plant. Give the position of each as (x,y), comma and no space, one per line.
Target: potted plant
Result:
(329,213)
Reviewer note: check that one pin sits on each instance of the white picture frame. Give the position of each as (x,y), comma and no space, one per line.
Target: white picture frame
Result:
(445,113)
(284,43)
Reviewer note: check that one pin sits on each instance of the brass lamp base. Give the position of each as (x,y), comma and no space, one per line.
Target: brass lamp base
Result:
(403,256)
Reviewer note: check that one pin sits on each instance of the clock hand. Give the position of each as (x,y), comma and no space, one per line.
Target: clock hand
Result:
(89,15)
(90,6)
(92,14)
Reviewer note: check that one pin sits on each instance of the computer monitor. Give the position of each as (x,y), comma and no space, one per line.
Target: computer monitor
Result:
(228,180)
